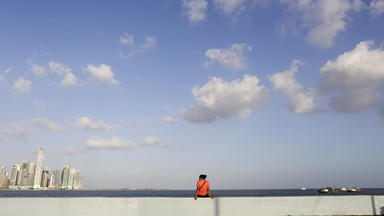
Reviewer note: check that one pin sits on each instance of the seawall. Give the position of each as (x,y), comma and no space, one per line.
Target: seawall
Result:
(225,206)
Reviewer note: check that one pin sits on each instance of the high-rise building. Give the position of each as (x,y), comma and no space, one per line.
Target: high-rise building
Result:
(31,174)
(39,168)
(46,178)
(77,181)
(22,179)
(4,183)
(71,178)
(65,176)
(2,173)
(14,175)
(55,181)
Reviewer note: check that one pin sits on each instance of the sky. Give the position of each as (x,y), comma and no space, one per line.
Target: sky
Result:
(256,94)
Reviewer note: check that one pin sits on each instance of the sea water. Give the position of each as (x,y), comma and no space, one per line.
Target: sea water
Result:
(182,193)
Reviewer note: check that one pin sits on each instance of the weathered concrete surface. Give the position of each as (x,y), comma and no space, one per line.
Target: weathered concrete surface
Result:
(229,206)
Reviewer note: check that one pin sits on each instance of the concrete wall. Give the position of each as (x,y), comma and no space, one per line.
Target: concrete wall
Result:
(229,206)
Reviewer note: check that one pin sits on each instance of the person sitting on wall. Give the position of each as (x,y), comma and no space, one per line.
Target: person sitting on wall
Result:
(202,189)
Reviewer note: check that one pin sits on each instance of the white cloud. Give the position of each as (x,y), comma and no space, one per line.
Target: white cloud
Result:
(377,8)
(230,6)
(222,99)
(127,39)
(46,124)
(168,119)
(37,70)
(324,19)
(231,59)
(150,42)
(95,142)
(60,69)
(87,124)
(300,98)
(196,10)
(3,80)
(153,141)
(16,130)
(102,73)
(38,105)
(355,79)
(22,86)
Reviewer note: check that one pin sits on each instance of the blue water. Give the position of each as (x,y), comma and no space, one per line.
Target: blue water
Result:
(183,193)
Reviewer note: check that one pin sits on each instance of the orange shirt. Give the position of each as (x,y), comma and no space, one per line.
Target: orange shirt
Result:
(204,189)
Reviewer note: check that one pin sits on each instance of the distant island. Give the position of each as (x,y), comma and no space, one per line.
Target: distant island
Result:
(34,176)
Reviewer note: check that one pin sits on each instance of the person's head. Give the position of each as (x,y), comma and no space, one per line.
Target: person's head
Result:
(202,176)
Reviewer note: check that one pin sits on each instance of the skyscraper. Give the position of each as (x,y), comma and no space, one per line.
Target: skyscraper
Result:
(4,183)
(15,172)
(2,173)
(65,176)
(39,168)
(56,178)
(78,181)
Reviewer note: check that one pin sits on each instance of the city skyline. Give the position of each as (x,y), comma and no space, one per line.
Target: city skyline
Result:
(256,94)
(35,176)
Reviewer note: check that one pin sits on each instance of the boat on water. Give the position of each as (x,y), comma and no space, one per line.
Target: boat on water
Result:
(328,190)
(343,189)
(354,189)
(303,189)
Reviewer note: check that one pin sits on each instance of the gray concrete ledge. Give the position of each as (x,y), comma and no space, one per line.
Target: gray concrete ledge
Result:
(226,206)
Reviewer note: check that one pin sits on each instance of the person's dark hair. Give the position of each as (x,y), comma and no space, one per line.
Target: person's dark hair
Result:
(203,176)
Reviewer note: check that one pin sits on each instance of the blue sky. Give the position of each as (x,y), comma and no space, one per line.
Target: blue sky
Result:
(150,94)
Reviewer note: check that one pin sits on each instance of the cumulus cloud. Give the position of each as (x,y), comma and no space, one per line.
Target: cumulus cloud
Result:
(222,99)
(150,42)
(196,10)
(95,142)
(62,70)
(16,131)
(102,73)
(355,79)
(300,97)
(168,119)
(22,86)
(377,8)
(230,7)
(37,70)
(154,141)
(324,20)
(231,59)
(87,124)
(46,124)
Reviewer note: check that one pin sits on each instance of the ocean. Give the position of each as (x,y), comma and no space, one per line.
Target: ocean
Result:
(182,193)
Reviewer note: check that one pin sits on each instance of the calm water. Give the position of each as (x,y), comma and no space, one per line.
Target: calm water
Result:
(183,193)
